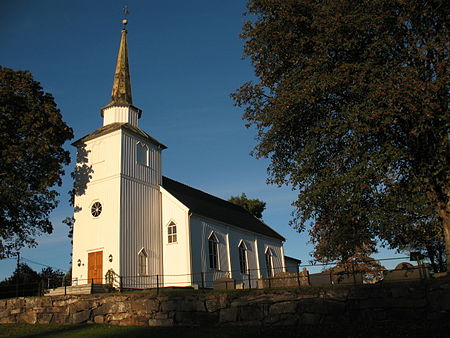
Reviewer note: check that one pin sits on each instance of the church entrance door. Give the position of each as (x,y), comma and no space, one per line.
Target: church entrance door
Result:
(95,267)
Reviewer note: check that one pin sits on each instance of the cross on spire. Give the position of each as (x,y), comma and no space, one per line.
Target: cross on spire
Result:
(125,13)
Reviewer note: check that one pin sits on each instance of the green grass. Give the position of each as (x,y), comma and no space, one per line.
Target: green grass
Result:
(389,329)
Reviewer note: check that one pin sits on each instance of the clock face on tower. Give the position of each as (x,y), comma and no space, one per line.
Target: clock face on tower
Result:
(96,209)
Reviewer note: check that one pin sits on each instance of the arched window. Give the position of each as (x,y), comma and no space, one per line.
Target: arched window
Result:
(172,232)
(142,261)
(243,257)
(269,263)
(213,245)
(142,153)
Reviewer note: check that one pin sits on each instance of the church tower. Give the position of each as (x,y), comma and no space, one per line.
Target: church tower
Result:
(117,193)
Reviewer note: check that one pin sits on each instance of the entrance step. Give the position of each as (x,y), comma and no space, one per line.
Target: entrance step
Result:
(85,289)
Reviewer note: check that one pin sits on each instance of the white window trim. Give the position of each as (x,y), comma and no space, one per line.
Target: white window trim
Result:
(139,146)
(176,227)
(269,252)
(216,241)
(142,252)
(246,269)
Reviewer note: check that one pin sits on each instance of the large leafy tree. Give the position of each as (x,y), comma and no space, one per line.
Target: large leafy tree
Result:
(29,282)
(351,106)
(361,264)
(32,133)
(252,205)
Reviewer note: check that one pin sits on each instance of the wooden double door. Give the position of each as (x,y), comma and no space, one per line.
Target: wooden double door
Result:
(95,267)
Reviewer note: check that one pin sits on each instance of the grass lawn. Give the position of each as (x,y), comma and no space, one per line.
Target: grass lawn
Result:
(412,329)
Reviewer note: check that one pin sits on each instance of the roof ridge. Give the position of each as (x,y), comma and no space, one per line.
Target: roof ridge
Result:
(197,200)
(236,206)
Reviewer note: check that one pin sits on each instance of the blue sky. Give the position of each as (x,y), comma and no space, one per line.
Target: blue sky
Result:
(185,59)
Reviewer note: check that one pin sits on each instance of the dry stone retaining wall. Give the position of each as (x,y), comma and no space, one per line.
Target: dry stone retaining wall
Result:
(255,307)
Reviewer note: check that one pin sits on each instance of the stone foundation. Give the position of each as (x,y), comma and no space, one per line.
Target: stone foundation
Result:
(421,301)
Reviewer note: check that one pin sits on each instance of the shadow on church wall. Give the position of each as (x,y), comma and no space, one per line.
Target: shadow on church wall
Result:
(81,175)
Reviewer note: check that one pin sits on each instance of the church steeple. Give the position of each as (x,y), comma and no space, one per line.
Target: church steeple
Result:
(121,90)
(121,98)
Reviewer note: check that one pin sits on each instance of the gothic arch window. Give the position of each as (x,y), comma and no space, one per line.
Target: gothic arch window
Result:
(243,264)
(172,232)
(142,153)
(269,262)
(142,261)
(213,249)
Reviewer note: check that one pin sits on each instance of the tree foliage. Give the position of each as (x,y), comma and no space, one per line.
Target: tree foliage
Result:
(252,205)
(32,133)
(23,274)
(351,106)
(424,236)
(360,263)
(29,281)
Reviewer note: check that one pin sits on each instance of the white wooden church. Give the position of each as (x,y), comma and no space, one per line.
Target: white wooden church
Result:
(132,220)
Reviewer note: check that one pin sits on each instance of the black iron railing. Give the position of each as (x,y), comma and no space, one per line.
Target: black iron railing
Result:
(355,273)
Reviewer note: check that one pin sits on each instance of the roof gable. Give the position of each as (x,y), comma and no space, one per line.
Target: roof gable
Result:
(213,207)
(109,128)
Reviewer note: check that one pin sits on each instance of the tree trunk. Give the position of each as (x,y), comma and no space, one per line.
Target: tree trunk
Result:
(444,214)
(432,255)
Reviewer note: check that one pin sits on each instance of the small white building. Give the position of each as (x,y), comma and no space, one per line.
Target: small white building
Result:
(291,264)
(149,229)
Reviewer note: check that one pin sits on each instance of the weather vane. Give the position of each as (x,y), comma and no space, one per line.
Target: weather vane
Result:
(125,12)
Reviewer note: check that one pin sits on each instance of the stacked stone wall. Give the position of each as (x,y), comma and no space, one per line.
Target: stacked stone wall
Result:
(245,307)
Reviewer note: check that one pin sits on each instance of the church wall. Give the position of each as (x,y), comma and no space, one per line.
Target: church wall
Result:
(140,229)
(176,256)
(251,242)
(141,215)
(201,229)
(229,238)
(97,180)
(150,174)
(98,155)
(277,255)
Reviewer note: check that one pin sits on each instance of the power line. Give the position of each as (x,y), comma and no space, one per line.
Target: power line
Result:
(41,264)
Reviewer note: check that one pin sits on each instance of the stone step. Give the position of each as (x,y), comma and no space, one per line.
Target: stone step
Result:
(85,289)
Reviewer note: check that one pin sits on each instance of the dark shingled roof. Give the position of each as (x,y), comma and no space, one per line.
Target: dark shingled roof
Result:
(213,207)
(109,128)
(293,259)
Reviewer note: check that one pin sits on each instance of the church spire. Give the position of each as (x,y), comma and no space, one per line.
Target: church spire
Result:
(121,90)
(120,108)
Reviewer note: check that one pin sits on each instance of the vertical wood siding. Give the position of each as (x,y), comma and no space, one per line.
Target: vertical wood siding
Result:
(140,228)
(141,214)
(256,246)
(150,174)
(120,114)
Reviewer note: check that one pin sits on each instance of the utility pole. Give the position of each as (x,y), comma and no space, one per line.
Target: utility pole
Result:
(18,274)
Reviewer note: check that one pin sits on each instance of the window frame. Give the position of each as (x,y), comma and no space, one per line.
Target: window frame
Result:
(99,209)
(213,251)
(243,258)
(142,154)
(268,255)
(172,237)
(142,254)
